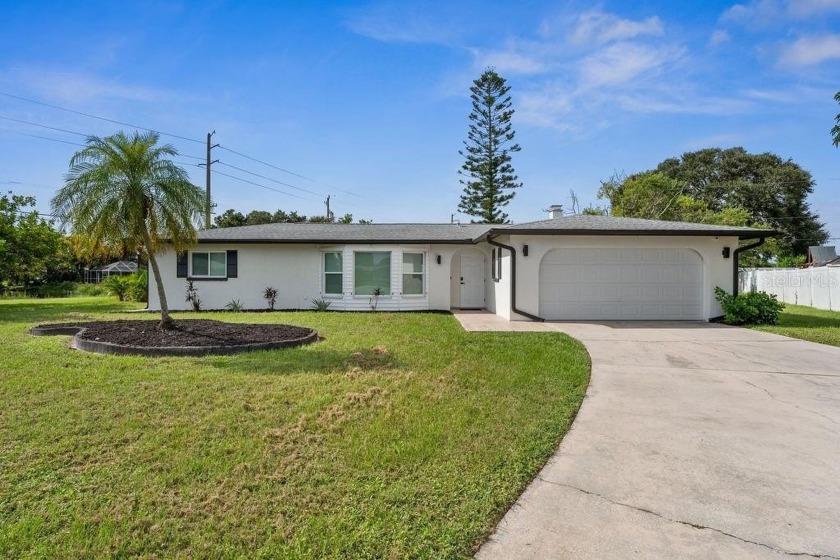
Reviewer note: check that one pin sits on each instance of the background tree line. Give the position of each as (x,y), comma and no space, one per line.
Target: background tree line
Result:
(233,218)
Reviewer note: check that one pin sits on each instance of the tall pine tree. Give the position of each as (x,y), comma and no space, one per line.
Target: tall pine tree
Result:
(490,178)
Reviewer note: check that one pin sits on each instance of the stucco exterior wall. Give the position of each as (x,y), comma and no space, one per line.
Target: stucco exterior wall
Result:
(296,272)
(717,270)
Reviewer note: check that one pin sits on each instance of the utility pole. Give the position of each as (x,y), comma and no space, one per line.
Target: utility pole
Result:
(327,202)
(207,178)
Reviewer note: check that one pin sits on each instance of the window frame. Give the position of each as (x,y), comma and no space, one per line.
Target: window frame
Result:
(496,264)
(422,274)
(207,276)
(385,292)
(324,274)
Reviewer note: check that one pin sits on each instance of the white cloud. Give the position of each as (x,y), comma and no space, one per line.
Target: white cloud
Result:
(620,63)
(401,24)
(74,88)
(809,51)
(718,38)
(681,103)
(597,27)
(809,8)
(765,13)
(757,12)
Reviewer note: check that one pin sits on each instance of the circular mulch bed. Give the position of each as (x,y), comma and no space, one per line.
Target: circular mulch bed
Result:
(190,337)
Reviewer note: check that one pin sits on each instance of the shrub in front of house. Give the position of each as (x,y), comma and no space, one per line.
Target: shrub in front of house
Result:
(117,286)
(138,286)
(750,308)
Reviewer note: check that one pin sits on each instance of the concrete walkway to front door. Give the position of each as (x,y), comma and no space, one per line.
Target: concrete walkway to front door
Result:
(694,441)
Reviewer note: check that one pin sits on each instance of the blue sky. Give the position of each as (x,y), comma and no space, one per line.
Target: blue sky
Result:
(369,100)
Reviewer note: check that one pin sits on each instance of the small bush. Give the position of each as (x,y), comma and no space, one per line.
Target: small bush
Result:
(751,308)
(192,296)
(320,304)
(234,305)
(138,286)
(117,285)
(270,294)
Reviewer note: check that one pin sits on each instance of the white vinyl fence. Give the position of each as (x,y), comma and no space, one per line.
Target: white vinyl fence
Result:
(815,287)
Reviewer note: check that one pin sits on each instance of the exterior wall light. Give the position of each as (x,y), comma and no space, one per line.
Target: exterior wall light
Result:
(524,250)
(725,252)
(437,259)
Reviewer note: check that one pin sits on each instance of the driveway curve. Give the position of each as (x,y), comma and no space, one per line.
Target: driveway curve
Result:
(694,441)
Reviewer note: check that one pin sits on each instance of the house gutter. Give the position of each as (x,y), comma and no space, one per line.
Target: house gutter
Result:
(735,266)
(531,316)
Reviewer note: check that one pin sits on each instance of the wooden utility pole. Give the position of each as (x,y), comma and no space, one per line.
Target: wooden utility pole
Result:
(207,203)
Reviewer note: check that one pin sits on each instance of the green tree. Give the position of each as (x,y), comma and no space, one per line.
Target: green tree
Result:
(772,190)
(31,251)
(652,196)
(229,218)
(835,130)
(125,188)
(490,177)
(258,217)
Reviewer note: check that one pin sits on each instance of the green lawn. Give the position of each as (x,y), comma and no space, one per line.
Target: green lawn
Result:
(807,323)
(399,435)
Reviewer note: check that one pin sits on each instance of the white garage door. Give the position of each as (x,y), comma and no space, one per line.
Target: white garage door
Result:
(621,284)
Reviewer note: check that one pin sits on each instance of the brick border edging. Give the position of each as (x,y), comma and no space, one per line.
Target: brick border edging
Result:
(151,351)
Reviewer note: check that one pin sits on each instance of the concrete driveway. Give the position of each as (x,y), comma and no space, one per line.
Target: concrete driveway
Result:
(694,441)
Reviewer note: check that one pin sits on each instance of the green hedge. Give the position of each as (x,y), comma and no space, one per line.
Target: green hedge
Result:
(750,308)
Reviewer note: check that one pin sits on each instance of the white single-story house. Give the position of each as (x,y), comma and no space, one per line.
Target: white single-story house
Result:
(566,268)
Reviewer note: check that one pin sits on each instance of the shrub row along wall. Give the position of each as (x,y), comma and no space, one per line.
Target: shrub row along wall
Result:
(815,287)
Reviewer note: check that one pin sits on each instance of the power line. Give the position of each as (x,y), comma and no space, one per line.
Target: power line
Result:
(98,117)
(266,163)
(42,126)
(123,123)
(285,170)
(259,185)
(45,138)
(269,178)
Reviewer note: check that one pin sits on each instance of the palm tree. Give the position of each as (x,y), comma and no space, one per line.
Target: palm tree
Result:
(124,190)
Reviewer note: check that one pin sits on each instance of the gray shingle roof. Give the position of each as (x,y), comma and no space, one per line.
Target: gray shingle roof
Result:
(611,225)
(468,233)
(344,233)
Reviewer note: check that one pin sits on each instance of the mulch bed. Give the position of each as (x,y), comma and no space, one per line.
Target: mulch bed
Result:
(189,337)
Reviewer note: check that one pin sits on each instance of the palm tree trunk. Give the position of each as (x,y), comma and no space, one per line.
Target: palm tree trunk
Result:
(166,322)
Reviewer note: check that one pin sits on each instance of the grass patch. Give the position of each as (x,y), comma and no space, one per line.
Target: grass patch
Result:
(807,323)
(399,435)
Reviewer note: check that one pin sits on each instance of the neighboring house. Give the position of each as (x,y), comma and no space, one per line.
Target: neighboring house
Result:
(825,255)
(567,268)
(98,274)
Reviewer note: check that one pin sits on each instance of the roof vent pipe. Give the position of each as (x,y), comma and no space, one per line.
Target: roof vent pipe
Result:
(555,211)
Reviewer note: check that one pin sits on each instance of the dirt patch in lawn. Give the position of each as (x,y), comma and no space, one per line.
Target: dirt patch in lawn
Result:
(189,337)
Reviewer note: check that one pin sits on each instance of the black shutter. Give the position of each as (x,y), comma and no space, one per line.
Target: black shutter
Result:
(181,268)
(232,264)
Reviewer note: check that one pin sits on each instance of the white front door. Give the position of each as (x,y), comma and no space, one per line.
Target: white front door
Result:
(472,281)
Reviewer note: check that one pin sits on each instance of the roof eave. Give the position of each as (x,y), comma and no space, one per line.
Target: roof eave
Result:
(650,232)
(468,241)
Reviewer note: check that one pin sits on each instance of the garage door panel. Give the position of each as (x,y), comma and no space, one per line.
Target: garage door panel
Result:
(624,284)
(608,274)
(629,274)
